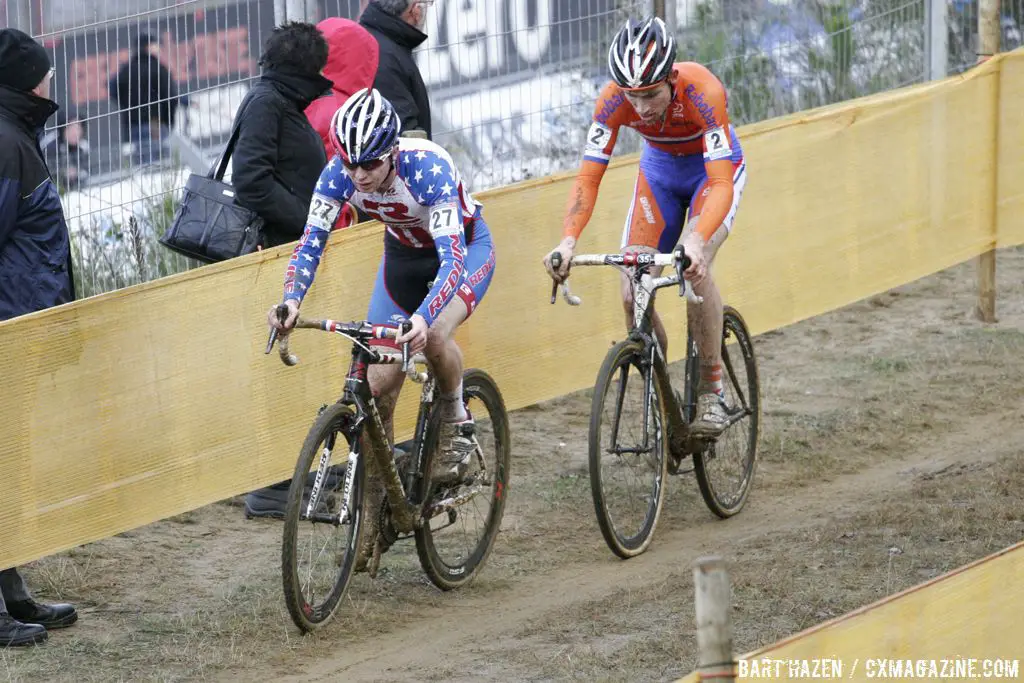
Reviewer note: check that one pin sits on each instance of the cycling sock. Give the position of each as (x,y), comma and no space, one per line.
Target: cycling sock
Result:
(711,376)
(452,407)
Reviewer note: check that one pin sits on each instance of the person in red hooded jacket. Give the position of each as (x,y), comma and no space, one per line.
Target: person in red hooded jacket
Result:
(352,59)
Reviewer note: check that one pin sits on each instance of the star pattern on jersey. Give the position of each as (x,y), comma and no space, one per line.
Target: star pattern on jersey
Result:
(430,176)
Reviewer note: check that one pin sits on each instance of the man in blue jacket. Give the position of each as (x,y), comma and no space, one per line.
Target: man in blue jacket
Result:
(35,262)
(35,249)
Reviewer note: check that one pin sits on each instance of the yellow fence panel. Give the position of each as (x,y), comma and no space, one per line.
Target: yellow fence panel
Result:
(1011,150)
(972,613)
(151,401)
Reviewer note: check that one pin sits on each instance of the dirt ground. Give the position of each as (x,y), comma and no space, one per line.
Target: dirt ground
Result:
(890,453)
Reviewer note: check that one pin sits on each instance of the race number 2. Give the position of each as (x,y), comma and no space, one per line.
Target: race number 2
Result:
(323,212)
(598,137)
(717,144)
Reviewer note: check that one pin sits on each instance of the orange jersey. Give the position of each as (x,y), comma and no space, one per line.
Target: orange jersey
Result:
(696,122)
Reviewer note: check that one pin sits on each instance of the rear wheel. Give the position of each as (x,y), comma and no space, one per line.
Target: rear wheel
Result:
(628,450)
(461,521)
(725,469)
(317,552)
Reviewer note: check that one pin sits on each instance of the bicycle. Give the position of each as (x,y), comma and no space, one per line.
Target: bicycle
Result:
(340,503)
(665,416)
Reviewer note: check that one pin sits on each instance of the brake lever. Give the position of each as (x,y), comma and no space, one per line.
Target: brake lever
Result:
(282,315)
(685,288)
(405,327)
(556,263)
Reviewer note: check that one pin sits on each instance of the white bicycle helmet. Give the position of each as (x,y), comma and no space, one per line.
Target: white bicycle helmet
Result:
(641,54)
(365,128)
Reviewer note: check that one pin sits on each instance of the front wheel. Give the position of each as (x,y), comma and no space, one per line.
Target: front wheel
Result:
(461,521)
(628,449)
(725,469)
(316,570)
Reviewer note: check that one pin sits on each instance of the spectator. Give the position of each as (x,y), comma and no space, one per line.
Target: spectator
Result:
(35,263)
(67,150)
(279,154)
(398,27)
(147,95)
(352,55)
(351,65)
(278,160)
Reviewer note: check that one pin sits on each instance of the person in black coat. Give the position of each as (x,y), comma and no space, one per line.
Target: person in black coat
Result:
(146,93)
(398,27)
(278,159)
(279,155)
(35,263)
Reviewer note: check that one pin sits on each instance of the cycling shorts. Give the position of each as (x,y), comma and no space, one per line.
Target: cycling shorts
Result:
(667,186)
(406,275)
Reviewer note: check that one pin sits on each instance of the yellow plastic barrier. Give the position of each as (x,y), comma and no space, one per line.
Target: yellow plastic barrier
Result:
(972,613)
(151,401)
(1010,196)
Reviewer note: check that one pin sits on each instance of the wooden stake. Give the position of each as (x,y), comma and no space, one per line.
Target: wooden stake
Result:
(712,601)
(988,45)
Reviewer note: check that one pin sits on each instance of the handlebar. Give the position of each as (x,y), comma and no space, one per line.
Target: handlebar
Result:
(678,259)
(361,333)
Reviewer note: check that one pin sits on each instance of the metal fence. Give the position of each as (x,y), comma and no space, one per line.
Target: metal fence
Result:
(119,190)
(512,84)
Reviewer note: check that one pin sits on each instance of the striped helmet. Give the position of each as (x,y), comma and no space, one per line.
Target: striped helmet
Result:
(641,54)
(365,128)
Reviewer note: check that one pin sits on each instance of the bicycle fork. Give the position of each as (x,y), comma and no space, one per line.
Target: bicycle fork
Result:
(648,387)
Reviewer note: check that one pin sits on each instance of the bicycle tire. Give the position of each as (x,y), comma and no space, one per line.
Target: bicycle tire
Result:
(308,617)
(734,324)
(626,352)
(476,384)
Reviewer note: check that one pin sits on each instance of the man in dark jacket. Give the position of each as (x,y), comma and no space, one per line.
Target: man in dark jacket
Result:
(147,94)
(279,154)
(398,27)
(35,262)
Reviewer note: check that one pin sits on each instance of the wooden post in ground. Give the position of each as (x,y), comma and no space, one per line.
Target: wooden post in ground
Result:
(659,8)
(712,601)
(988,45)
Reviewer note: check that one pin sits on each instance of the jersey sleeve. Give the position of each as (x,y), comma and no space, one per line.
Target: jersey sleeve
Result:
(446,228)
(328,204)
(609,112)
(710,102)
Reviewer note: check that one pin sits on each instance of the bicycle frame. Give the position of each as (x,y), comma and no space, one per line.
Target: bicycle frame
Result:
(405,514)
(644,286)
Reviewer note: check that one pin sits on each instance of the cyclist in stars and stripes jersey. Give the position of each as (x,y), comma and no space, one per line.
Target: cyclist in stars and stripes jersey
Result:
(438,255)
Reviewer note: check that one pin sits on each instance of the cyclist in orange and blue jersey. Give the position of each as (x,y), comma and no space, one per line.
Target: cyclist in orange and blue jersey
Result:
(691,161)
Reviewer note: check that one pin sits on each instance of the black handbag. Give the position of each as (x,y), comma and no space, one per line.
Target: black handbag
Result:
(210,225)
